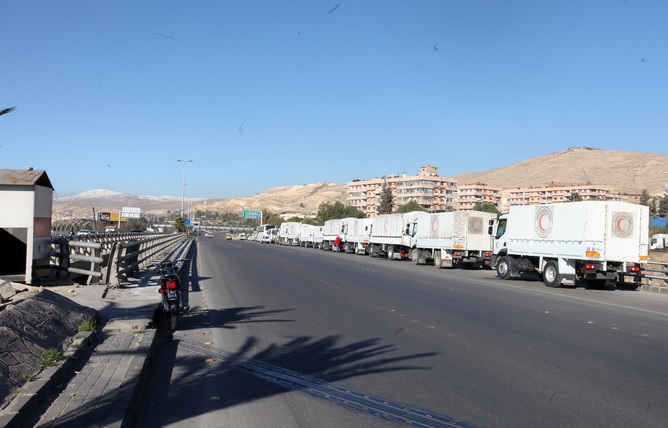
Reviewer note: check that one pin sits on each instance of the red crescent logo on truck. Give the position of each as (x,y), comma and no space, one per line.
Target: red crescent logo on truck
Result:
(476,225)
(387,223)
(434,225)
(622,225)
(543,221)
(540,223)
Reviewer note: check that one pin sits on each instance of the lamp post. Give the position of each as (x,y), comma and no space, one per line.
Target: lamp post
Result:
(183,188)
(189,204)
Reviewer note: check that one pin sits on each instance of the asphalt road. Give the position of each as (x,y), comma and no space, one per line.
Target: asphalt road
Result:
(286,336)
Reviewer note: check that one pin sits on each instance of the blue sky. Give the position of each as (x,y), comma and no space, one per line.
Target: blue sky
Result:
(261,94)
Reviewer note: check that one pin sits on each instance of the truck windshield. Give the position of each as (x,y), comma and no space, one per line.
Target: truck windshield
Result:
(501,228)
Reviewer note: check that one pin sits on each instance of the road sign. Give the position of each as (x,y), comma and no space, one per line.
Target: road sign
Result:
(187,223)
(131,212)
(251,214)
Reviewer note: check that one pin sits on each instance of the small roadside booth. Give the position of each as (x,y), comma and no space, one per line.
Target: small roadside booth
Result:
(26,199)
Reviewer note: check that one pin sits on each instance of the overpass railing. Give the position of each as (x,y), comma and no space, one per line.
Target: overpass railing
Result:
(108,259)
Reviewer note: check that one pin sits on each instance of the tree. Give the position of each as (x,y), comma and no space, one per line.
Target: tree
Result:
(645,198)
(180,224)
(410,207)
(663,206)
(328,211)
(574,197)
(487,208)
(386,200)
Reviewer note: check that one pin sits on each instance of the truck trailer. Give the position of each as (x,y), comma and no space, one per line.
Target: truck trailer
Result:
(592,241)
(461,237)
(355,234)
(289,233)
(390,235)
(331,230)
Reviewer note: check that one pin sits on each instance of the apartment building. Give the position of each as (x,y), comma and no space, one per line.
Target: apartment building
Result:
(432,192)
(554,193)
(468,195)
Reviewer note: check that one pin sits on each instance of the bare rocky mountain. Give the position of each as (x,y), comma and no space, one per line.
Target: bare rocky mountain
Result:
(81,205)
(292,199)
(623,171)
(304,198)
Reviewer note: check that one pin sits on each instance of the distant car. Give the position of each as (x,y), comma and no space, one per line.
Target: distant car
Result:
(242,236)
(228,237)
(85,232)
(136,231)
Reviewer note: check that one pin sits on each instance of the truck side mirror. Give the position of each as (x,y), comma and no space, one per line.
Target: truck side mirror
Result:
(491,222)
(490,230)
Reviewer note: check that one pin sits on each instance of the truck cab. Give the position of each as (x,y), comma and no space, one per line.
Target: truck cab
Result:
(498,236)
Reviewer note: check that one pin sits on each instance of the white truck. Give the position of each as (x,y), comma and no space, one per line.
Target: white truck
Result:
(355,234)
(461,237)
(659,242)
(318,236)
(307,234)
(331,230)
(390,235)
(592,241)
(289,233)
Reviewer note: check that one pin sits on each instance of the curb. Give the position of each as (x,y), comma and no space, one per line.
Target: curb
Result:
(654,289)
(34,391)
(139,370)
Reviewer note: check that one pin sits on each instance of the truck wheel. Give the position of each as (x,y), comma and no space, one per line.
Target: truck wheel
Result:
(390,253)
(438,261)
(551,276)
(372,250)
(415,256)
(503,267)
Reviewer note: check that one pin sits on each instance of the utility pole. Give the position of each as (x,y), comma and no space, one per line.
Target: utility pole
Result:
(183,188)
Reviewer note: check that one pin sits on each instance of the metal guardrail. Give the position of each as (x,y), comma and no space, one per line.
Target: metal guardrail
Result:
(107,259)
(64,252)
(130,257)
(658,275)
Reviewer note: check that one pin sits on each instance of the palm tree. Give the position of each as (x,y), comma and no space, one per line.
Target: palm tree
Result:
(7,110)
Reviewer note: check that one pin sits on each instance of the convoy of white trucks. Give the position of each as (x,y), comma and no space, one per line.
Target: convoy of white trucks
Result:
(596,242)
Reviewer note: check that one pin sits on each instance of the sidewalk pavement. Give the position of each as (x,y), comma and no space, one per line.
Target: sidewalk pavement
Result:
(99,386)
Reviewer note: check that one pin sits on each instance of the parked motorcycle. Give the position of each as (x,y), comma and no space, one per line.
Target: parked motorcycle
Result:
(171,291)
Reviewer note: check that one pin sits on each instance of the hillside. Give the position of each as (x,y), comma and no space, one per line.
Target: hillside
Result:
(304,198)
(624,171)
(81,205)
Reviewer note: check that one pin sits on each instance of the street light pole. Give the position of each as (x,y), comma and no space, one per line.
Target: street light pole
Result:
(183,188)
(189,203)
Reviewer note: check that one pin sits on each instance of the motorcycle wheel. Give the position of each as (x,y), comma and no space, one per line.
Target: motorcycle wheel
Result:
(174,314)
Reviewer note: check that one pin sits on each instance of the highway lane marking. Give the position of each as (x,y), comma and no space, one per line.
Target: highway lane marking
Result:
(338,394)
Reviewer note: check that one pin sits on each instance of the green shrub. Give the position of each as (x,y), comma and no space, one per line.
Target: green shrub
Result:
(88,325)
(50,357)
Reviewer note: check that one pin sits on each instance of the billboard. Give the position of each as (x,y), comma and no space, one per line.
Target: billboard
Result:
(113,217)
(130,212)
